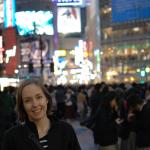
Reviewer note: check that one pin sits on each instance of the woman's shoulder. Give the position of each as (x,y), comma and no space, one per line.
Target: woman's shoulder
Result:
(63,124)
(15,130)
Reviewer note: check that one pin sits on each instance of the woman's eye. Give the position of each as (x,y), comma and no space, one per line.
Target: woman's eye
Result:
(39,97)
(27,100)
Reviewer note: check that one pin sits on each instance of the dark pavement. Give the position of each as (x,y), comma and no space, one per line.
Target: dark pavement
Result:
(85,136)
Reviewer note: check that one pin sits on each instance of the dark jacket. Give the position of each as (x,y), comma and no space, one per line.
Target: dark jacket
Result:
(61,136)
(105,130)
(143,126)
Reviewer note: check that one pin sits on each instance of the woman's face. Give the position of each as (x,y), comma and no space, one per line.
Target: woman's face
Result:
(34,102)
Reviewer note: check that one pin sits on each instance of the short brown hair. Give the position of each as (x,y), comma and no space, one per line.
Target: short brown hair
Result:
(19,101)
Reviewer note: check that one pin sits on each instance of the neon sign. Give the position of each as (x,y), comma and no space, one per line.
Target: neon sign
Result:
(10,53)
(9,13)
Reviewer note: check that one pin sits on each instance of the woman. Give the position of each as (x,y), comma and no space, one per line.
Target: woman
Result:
(38,130)
(105,130)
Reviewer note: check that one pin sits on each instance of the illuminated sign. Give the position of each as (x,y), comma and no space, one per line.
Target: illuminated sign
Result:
(11,58)
(9,13)
(31,51)
(10,53)
(39,22)
(60,53)
(69,20)
(69,2)
(1,13)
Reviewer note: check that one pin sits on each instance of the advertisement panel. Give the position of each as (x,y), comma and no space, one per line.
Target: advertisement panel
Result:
(10,47)
(31,52)
(39,22)
(69,20)
(130,10)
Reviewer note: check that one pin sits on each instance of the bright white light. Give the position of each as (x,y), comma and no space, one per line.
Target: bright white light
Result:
(69,20)
(25,66)
(4,82)
(16,71)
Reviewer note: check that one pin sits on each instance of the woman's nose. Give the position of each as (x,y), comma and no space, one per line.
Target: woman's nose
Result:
(34,103)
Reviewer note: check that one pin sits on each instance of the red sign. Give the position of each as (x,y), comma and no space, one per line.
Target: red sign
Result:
(10,43)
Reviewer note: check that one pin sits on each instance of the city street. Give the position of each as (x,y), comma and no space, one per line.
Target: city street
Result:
(84,135)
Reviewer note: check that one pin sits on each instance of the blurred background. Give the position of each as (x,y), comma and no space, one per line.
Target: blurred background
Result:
(74,41)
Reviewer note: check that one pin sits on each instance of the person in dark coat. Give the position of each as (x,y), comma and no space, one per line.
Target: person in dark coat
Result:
(140,112)
(7,112)
(105,130)
(37,129)
(60,101)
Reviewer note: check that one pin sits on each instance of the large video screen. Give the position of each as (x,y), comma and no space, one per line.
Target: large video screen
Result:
(130,10)
(34,22)
(69,20)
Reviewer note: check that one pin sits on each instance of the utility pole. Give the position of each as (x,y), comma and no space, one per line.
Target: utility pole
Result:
(41,61)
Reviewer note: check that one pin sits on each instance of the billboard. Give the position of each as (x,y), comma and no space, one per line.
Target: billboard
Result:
(11,51)
(39,22)
(130,10)
(68,20)
(31,51)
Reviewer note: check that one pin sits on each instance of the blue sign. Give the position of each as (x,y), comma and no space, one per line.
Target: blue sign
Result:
(130,10)
(68,2)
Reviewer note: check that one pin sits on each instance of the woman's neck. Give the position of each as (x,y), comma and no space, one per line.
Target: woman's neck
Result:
(43,126)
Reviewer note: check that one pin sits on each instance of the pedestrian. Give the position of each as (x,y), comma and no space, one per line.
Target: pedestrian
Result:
(7,112)
(38,129)
(140,112)
(106,128)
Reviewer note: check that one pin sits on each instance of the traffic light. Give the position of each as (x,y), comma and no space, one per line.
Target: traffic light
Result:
(31,69)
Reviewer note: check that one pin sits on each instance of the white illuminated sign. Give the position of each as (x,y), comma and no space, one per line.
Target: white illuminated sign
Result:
(69,2)
(10,53)
(1,13)
(69,20)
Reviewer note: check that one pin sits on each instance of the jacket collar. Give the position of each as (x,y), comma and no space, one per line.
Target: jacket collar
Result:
(31,125)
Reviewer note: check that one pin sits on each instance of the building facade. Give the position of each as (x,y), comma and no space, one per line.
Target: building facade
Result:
(125,40)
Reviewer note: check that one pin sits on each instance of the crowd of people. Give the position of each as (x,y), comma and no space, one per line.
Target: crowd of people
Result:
(117,114)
